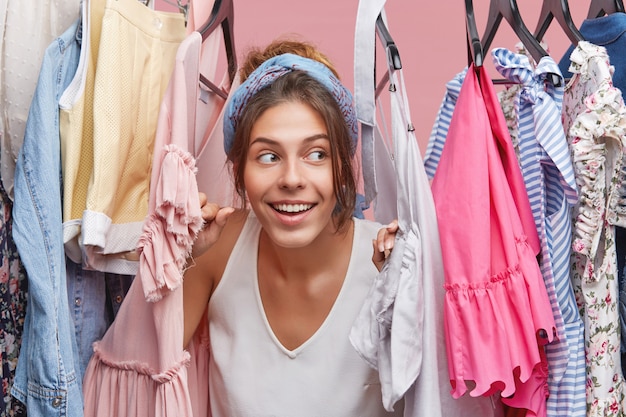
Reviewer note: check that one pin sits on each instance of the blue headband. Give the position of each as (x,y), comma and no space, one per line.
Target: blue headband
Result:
(270,71)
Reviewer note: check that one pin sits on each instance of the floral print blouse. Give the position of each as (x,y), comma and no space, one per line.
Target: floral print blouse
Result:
(13,294)
(594,116)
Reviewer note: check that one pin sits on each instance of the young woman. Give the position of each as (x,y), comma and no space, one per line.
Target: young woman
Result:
(285,279)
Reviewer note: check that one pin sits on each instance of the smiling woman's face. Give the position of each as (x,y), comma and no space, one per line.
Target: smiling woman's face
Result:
(288,174)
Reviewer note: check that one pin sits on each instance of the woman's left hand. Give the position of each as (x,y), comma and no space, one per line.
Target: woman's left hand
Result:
(383,244)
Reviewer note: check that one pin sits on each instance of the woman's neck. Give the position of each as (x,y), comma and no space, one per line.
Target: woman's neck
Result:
(330,249)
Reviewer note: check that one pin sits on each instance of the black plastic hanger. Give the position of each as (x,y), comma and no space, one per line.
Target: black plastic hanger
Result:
(222,15)
(475,52)
(598,8)
(387,40)
(559,10)
(508,10)
(393,55)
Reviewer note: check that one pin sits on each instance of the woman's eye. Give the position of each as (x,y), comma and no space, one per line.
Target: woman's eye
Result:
(267,158)
(317,155)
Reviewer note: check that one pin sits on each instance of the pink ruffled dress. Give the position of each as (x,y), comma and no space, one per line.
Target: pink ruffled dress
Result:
(496,305)
(139,368)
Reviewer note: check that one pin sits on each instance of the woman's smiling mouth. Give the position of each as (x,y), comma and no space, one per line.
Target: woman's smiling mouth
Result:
(292,208)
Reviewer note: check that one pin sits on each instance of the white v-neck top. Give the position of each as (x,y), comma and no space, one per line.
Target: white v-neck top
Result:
(252,374)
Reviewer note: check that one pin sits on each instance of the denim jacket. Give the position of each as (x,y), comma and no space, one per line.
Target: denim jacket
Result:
(610,32)
(46,380)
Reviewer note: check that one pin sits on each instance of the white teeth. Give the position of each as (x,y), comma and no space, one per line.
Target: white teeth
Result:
(293,208)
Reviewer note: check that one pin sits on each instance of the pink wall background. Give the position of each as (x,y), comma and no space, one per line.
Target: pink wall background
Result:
(430,36)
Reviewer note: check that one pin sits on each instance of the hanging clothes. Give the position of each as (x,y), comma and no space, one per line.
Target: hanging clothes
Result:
(75,108)
(486,202)
(135,62)
(399,329)
(51,19)
(545,163)
(109,131)
(389,331)
(13,294)
(595,118)
(46,378)
(185,103)
(213,177)
(162,378)
(94,298)
(610,32)
(364,53)
(16,92)
(441,126)
(508,98)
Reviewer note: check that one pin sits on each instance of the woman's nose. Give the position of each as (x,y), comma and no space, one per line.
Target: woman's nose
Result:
(292,175)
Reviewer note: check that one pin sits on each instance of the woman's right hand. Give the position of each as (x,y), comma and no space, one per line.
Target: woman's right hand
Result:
(215,218)
(383,244)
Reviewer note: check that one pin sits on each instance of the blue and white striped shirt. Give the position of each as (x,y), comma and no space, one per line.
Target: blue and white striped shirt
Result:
(549,177)
(442,123)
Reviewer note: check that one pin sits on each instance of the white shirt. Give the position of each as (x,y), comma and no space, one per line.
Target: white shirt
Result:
(252,374)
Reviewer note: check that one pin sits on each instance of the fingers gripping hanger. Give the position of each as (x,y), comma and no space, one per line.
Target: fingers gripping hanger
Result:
(393,56)
(222,15)
(559,10)
(598,8)
(508,10)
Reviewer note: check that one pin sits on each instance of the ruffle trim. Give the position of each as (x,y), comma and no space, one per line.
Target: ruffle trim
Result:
(134,389)
(605,117)
(493,282)
(532,394)
(503,321)
(143,368)
(584,53)
(171,229)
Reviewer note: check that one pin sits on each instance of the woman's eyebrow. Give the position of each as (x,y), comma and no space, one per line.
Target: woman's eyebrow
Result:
(269,141)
